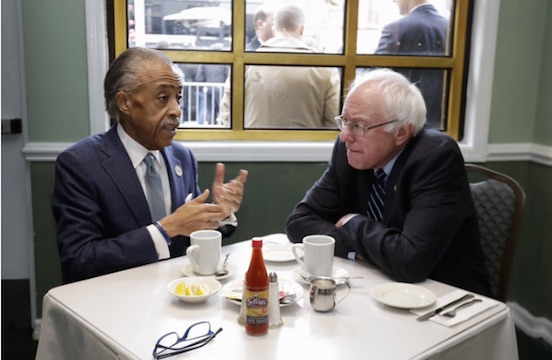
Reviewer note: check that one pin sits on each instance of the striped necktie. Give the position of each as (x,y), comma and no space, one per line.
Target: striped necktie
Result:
(377,196)
(154,189)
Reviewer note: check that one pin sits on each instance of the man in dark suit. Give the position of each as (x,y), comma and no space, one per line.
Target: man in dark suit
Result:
(429,225)
(263,21)
(421,32)
(99,200)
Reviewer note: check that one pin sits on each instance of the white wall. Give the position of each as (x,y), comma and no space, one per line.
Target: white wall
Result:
(16,220)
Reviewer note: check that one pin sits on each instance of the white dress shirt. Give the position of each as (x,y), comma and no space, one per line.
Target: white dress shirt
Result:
(137,153)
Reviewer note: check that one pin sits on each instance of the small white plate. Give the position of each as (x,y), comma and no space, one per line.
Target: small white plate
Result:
(277,248)
(278,253)
(340,275)
(187,270)
(211,284)
(233,291)
(403,295)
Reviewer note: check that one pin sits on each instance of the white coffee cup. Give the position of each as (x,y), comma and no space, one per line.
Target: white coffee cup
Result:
(318,255)
(204,251)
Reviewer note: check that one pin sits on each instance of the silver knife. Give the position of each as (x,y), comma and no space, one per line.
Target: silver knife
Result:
(446,306)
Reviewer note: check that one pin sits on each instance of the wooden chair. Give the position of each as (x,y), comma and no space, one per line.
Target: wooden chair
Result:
(499,201)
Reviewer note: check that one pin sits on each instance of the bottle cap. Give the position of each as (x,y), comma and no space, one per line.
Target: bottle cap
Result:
(273,277)
(257,242)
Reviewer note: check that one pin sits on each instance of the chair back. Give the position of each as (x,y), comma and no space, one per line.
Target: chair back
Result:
(499,202)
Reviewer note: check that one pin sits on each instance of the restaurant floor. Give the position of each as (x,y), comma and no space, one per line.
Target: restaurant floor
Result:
(17,342)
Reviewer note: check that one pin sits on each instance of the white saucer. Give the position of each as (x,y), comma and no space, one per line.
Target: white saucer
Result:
(233,291)
(277,248)
(339,274)
(403,295)
(278,253)
(187,270)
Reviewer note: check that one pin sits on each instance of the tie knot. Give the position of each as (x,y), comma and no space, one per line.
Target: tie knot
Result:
(380,174)
(149,159)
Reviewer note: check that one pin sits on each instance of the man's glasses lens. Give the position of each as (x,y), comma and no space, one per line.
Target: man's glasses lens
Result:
(356,129)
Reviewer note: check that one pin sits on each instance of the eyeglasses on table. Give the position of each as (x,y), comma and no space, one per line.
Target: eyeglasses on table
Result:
(196,336)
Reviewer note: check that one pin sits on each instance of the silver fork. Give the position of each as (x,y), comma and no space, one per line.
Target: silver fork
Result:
(452,313)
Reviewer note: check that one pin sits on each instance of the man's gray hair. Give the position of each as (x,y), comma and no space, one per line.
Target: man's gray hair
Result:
(401,100)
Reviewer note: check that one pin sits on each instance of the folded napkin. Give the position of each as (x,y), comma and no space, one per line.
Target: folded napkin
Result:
(462,314)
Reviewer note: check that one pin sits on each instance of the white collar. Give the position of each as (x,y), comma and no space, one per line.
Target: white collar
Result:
(136,151)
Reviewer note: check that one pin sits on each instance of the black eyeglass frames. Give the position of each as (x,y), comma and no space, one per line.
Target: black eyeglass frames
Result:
(357,129)
(196,336)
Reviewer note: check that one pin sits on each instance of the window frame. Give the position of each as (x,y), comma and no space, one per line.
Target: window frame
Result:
(349,61)
(477,109)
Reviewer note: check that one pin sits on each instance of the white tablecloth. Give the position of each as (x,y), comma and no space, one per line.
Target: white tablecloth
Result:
(121,316)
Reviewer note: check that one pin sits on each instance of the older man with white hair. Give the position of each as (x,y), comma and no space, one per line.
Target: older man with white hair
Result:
(395,192)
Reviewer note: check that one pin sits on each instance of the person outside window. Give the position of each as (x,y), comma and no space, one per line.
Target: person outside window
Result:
(421,32)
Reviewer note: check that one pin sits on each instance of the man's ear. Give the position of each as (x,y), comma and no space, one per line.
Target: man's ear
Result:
(404,133)
(123,102)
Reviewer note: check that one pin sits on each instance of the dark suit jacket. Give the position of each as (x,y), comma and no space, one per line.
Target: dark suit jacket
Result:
(253,45)
(101,209)
(429,227)
(422,33)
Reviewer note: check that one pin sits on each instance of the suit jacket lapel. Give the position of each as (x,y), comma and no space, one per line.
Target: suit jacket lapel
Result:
(176,178)
(119,168)
(392,180)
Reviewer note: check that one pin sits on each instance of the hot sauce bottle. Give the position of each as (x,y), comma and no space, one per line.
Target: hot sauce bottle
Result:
(256,292)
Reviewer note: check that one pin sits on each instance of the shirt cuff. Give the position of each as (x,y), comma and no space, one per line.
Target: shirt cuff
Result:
(159,242)
(230,220)
(349,217)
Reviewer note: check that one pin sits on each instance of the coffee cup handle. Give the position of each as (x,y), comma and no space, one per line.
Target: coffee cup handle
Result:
(294,249)
(190,253)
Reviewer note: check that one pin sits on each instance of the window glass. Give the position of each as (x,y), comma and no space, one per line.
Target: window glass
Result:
(403,27)
(180,25)
(322,24)
(202,92)
(291,97)
(259,90)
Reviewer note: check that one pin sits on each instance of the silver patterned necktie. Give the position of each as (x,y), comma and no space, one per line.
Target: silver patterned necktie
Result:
(154,189)
(376,202)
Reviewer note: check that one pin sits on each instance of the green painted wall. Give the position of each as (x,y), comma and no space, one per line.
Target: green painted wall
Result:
(543,124)
(47,265)
(531,271)
(517,70)
(56,75)
(56,70)
(521,108)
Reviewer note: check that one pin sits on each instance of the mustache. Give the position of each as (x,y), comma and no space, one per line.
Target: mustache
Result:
(170,122)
